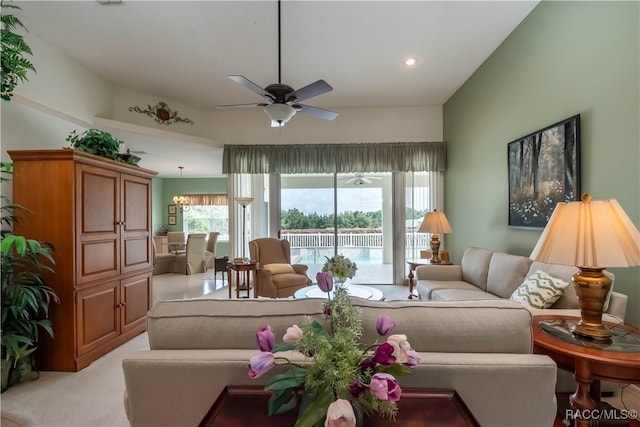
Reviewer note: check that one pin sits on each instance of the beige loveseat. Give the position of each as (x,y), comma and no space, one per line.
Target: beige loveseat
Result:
(481,349)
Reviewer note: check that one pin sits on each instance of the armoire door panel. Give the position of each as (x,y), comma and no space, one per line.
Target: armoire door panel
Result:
(98,231)
(136,299)
(98,315)
(99,260)
(136,228)
(99,200)
(135,195)
(136,252)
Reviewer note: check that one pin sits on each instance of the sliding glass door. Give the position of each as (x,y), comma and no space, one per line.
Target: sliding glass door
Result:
(348,214)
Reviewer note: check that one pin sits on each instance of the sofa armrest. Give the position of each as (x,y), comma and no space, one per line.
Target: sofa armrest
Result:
(617,305)
(439,272)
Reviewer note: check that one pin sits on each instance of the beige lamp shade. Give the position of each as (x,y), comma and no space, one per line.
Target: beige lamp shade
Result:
(589,233)
(244,201)
(435,222)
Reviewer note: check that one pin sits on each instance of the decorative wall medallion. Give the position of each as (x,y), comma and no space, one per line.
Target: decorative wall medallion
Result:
(162,114)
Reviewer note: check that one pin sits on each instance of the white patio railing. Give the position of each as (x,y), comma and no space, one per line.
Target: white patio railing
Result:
(354,240)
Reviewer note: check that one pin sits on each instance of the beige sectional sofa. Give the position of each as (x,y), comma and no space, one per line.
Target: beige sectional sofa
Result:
(487,275)
(482,349)
(484,274)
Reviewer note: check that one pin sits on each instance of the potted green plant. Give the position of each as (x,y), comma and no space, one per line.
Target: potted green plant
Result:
(14,63)
(101,143)
(26,298)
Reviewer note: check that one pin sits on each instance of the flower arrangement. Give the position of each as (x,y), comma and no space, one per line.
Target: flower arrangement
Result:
(340,266)
(343,380)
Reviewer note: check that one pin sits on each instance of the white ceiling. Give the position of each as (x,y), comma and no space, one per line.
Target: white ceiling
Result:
(184,50)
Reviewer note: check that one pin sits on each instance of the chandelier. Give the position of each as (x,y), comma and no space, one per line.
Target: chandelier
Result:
(181,200)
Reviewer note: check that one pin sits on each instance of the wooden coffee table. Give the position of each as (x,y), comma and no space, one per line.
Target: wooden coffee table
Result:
(590,361)
(247,406)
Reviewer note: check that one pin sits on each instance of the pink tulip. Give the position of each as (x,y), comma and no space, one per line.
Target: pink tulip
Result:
(384,325)
(400,347)
(261,364)
(385,387)
(325,281)
(412,359)
(384,354)
(293,335)
(265,338)
(340,414)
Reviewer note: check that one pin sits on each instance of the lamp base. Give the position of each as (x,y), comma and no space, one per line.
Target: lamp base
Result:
(435,248)
(592,287)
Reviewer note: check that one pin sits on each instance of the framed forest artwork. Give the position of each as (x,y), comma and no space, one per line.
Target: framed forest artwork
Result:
(544,169)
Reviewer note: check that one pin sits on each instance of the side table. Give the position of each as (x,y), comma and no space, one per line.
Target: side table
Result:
(589,360)
(246,269)
(415,263)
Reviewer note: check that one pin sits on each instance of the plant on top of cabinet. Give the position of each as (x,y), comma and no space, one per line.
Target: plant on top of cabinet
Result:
(95,141)
(101,143)
(14,64)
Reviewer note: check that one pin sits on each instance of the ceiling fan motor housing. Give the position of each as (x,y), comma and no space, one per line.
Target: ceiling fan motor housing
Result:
(280,92)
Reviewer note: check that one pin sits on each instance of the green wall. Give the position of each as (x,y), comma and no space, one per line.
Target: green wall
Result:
(565,58)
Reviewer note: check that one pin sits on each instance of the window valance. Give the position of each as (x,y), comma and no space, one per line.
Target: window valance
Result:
(335,158)
(207,199)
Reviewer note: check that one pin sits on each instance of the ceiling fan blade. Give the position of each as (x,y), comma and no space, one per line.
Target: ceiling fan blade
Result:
(320,113)
(254,105)
(314,89)
(241,80)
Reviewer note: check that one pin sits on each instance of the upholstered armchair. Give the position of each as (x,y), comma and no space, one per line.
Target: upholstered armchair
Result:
(277,277)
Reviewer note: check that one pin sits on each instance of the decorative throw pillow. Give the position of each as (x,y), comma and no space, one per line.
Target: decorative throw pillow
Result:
(539,290)
(279,268)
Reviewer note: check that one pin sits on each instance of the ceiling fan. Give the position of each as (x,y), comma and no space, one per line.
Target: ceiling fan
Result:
(282,100)
(360,179)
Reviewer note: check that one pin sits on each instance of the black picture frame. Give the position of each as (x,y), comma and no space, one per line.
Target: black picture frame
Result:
(172,209)
(172,220)
(544,169)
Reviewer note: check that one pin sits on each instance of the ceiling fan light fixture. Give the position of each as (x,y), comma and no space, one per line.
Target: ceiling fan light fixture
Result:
(280,113)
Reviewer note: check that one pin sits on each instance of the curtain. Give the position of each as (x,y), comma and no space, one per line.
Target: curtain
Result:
(334,158)
(207,199)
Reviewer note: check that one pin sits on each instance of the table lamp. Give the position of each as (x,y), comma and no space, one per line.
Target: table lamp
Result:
(592,235)
(435,222)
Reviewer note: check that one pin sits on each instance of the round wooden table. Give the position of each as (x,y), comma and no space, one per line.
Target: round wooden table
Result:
(589,360)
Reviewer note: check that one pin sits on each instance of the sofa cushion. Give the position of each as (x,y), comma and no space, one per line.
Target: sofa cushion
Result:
(539,290)
(426,287)
(462,295)
(506,273)
(475,266)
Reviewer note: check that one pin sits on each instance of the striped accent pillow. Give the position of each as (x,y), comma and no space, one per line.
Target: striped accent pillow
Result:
(539,290)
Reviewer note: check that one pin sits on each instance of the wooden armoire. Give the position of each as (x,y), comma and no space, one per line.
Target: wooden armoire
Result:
(97,214)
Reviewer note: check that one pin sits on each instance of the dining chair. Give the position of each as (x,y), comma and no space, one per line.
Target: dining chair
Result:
(210,252)
(192,259)
(176,241)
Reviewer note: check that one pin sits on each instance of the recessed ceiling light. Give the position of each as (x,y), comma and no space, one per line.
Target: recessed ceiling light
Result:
(410,61)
